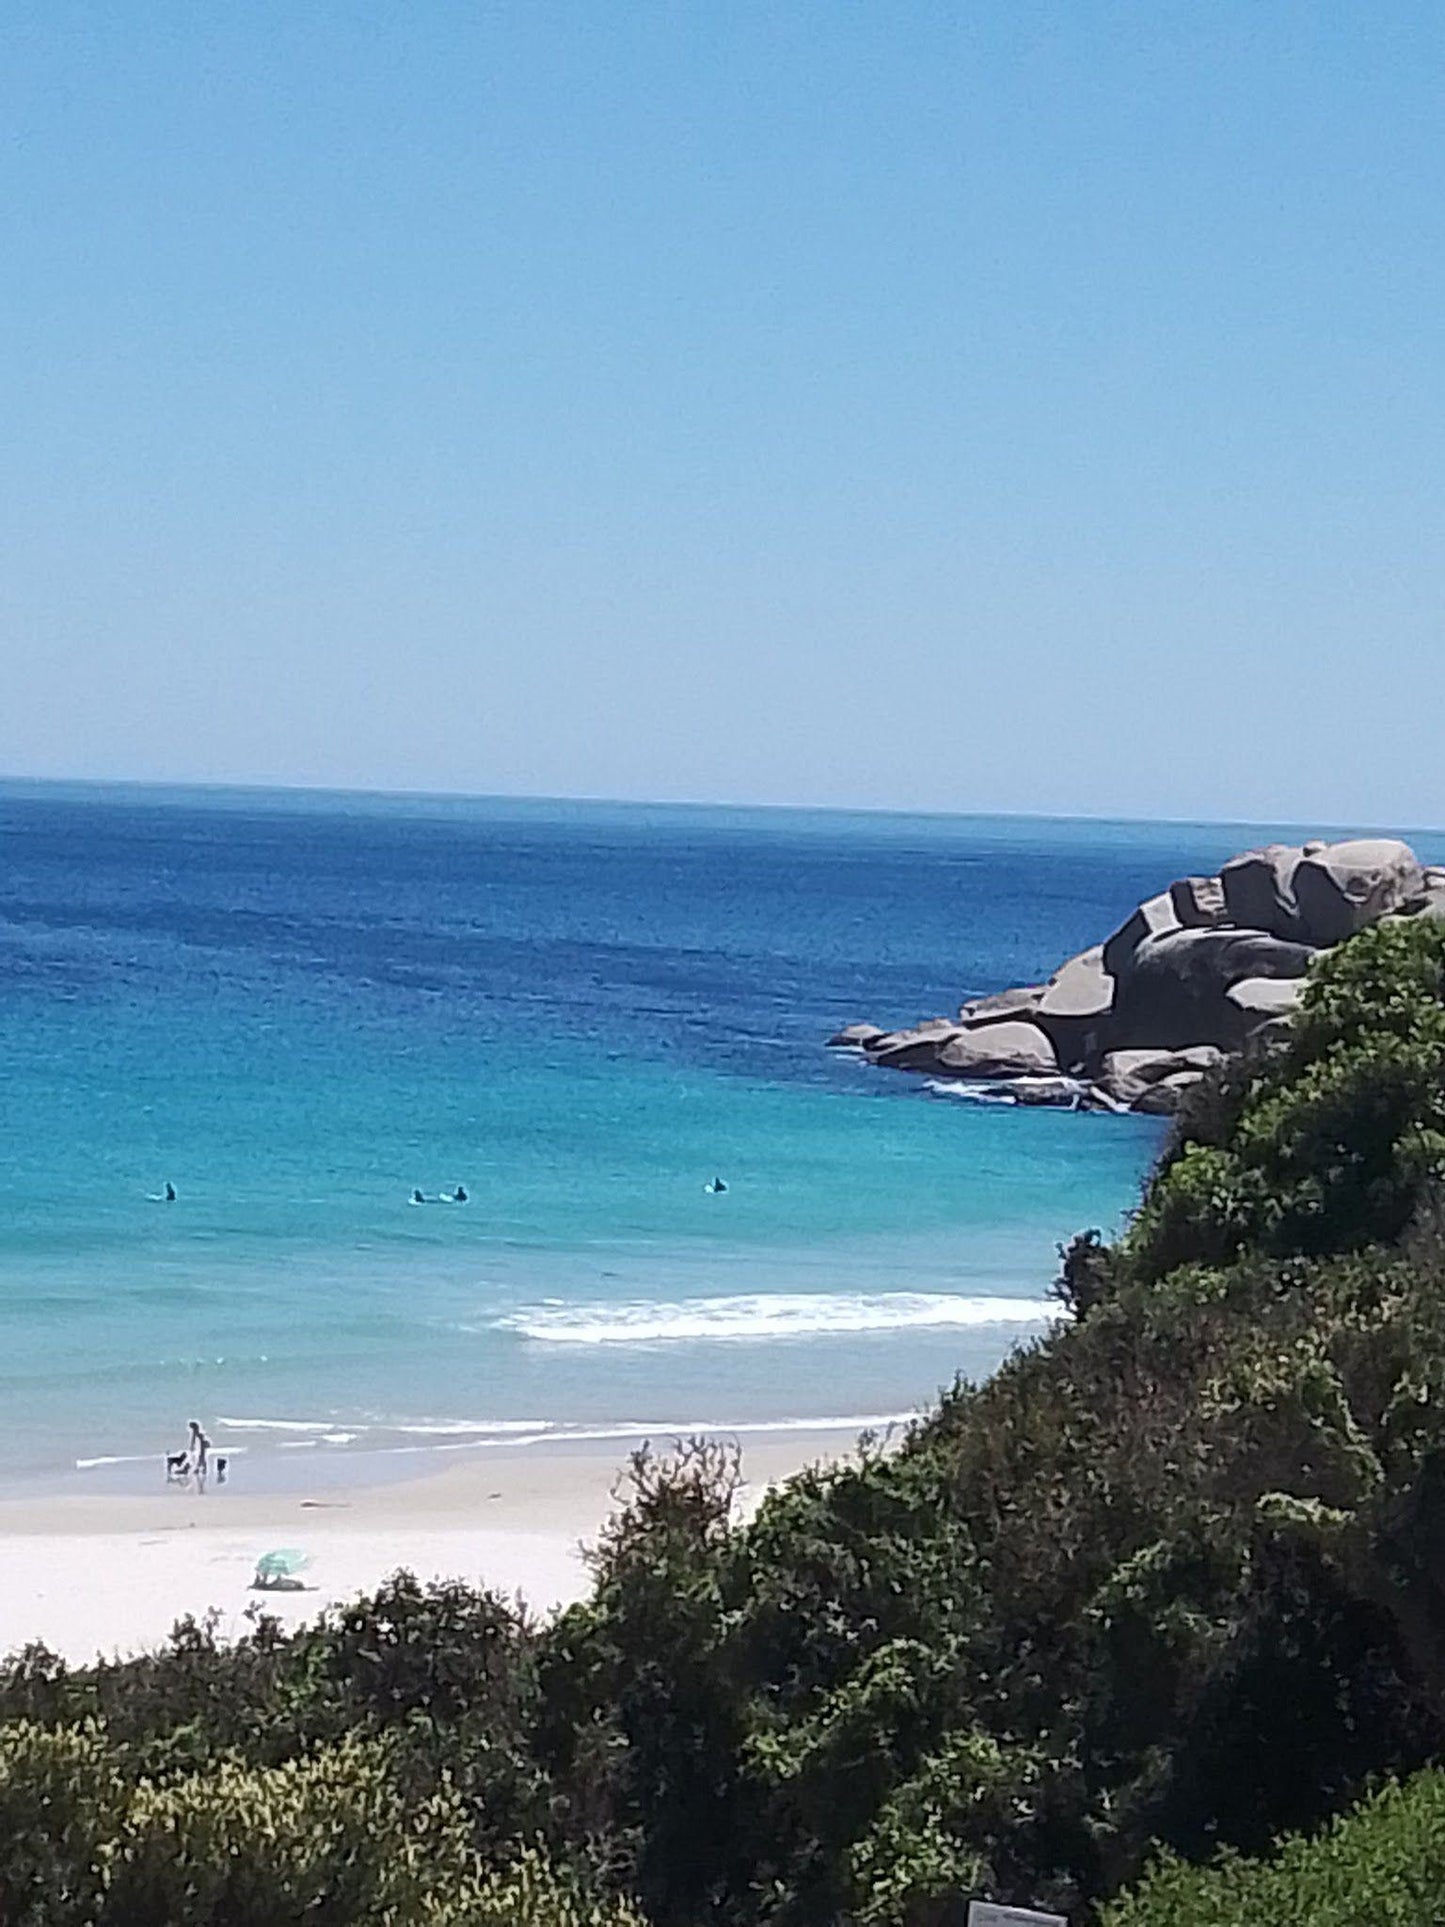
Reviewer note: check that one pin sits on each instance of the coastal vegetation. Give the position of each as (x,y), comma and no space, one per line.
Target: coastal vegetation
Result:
(1093,1636)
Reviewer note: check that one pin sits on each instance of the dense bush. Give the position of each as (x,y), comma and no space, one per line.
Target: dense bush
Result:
(334,1838)
(1381,1866)
(1175,1574)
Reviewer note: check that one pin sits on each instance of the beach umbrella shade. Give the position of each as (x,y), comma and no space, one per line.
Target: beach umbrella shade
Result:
(284,1563)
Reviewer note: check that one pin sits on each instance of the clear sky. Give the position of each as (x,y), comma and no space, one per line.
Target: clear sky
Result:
(992,405)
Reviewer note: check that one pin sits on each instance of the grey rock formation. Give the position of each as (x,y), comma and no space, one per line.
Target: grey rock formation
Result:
(1017,1049)
(914,1049)
(1344,886)
(1128,1076)
(856,1036)
(1193,972)
(1261,1000)
(1175,993)
(1198,902)
(1163,1098)
(1003,1004)
(1159,917)
(1432,903)
(1051,1091)
(1076,1010)
(1258,888)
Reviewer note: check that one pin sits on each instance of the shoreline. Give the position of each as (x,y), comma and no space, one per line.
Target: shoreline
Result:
(95,1574)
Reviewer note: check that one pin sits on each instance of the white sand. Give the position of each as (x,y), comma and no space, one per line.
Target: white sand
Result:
(96,1575)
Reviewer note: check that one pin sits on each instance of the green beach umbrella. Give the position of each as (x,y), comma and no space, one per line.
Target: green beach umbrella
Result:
(284,1563)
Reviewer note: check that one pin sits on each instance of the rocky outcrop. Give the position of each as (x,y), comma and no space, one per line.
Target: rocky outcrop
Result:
(1344,886)
(1075,1012)
(1159,917)
(1134,1022)
(856,1036)
(1258,889)
(916,1049)
(1018,1049)
(1003,1004)
(1176,991)
(1135,1078)
(1198,902)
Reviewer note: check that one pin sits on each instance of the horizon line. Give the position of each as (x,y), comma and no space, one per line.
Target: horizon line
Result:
(219,786)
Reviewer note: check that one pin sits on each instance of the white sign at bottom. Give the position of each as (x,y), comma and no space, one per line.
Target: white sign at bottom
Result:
(983,1913)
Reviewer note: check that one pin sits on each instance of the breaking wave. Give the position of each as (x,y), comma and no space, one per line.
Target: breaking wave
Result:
(775,1316)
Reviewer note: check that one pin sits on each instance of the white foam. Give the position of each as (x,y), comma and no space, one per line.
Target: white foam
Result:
(773,1316)
(714,1428)
(562,1433)
(1011,1090)
(463,1435)
(141,1458)
(276,1424)
(450,1428)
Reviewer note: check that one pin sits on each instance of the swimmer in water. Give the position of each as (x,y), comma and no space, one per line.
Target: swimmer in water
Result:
(716,1188)
(170,1192)
(459,1196)
(417,1198)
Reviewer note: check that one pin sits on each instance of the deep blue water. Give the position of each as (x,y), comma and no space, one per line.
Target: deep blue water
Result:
(297,1008)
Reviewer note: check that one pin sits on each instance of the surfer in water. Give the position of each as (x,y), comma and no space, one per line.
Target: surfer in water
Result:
(716,1188)
(459,1196)
(416,1198)
(169,1194)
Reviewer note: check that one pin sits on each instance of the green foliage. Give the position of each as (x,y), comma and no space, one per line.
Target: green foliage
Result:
(61,1796)
(1381,1866)
(1327,1143)
(334,1839)
(1175,1575)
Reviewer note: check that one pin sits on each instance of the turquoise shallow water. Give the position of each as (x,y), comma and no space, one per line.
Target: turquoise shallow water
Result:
(299,1008)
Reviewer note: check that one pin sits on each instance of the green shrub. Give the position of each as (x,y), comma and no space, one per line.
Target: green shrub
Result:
(1383,1865)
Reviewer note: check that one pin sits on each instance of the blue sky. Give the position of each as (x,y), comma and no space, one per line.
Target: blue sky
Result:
(991,406)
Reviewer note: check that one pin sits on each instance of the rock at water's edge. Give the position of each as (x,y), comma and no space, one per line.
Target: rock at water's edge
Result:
(1195,971)
(915,1049)
(1005,1049)
(1002,1004)
(856,1036)
(1128,1076)
(1076,1008)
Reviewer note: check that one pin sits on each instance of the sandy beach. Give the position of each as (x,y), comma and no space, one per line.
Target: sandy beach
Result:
(110,1574)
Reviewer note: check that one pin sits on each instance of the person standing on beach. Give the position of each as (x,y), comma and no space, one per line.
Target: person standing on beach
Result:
(200,1446)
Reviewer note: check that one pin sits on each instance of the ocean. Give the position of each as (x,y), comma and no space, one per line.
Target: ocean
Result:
(297,1008)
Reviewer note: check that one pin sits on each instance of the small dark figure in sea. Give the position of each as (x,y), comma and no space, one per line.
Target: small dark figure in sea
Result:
(459,1196)
(716,1188)
(170,1192)
(417,1198)
(221,1464)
